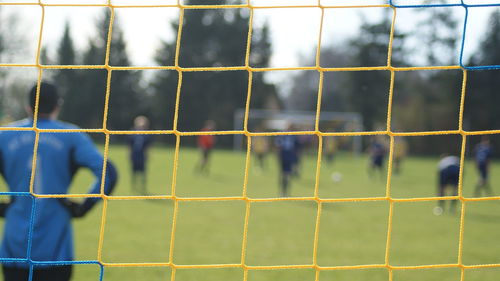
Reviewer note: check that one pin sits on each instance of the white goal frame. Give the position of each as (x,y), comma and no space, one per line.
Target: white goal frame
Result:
(279,119)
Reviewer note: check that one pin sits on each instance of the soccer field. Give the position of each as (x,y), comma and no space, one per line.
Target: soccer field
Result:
(282,233)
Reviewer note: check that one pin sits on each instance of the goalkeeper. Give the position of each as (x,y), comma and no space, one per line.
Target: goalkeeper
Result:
(58,158)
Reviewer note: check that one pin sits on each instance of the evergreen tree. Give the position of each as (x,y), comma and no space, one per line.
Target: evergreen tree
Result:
(440,89)
(124,101)
(68,80)
(304,92)
(437,35)
(2,49)
(432,97)
(2,43)
(368,90)
(66,51)
(212,38)
(13,81)
(264,95)
(482,96)
(93,88)
(44,56)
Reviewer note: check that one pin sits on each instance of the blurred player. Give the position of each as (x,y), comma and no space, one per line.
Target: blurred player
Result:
(448,176)
(482,155)
(305,145)
(400,151)
(377,156)
(139,144)
(330,144)
(206,144)
(260,146)
(59,156)
(288,150)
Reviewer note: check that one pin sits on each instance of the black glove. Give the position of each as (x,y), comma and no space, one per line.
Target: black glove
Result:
(76,210)
(4,206)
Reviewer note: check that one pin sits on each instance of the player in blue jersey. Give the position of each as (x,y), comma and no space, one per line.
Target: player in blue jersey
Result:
(288,150)
(448,176)
(139,144)
(377,155)
(482,155)
(47,237)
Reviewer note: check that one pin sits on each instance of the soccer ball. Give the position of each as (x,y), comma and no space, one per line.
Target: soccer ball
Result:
(336,177)
(437,211)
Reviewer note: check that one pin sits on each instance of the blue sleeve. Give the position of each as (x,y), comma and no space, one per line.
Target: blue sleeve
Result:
(278,141)
(87,155)
(1,164)
(298,143)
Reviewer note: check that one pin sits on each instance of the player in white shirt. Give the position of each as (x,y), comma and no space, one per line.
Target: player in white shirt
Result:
(449,172)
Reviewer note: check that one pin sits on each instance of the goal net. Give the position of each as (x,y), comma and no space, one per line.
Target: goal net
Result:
(315,124)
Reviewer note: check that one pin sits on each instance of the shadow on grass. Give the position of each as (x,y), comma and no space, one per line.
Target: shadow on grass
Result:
(314,205)
(488,218)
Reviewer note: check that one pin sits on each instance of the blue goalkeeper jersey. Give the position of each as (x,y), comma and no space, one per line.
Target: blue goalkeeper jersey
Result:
(58,158)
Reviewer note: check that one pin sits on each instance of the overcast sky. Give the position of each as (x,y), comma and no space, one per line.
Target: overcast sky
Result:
(294,31)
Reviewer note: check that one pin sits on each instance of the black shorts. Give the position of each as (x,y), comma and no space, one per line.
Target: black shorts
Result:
(449,176)
(377,161)
(138,166)
(138,162)
(56,273)
(206,152)
(288,161)
(483,170)
(286,167)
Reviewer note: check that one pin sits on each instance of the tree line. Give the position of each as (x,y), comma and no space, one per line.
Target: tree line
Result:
(425,100)
(210,38)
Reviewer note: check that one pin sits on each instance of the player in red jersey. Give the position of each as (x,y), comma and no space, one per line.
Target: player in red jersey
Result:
(206,143)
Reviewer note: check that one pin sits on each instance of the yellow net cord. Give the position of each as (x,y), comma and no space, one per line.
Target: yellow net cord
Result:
(244,197)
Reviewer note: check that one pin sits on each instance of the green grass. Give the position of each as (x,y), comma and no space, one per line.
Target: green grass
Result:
(281,233)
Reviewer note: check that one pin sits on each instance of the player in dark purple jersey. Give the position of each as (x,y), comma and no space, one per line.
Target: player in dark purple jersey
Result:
(377,157)
(482,155)
(288,150)
(139,144)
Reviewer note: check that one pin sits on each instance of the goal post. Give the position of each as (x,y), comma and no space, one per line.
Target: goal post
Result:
(277,120)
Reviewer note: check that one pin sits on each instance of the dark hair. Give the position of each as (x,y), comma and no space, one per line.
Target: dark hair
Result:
(49,99)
